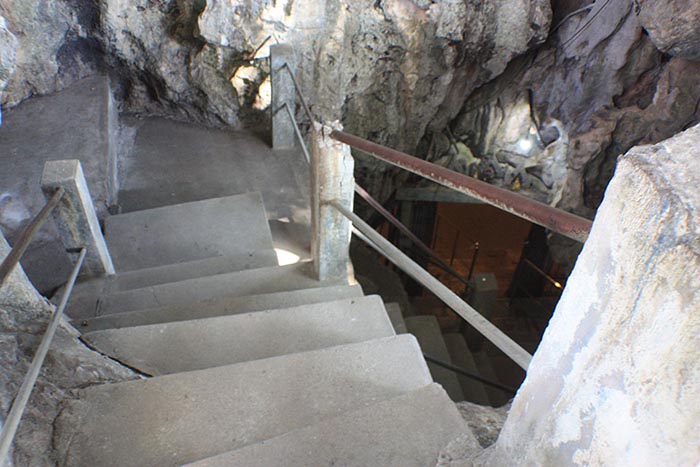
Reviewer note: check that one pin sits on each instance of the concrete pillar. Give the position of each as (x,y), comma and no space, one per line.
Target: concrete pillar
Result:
(283,92)
(331,179)
(75,215)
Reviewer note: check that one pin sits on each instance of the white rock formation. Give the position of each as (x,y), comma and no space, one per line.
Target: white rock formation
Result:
(616,379)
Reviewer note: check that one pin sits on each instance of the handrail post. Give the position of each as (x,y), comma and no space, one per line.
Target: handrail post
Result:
(75,215)
(283,93)
(331,180)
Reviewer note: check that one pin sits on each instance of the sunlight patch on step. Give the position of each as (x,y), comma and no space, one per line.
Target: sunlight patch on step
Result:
(285,257)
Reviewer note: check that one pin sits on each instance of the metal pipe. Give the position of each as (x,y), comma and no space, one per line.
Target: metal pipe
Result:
(406,231)
(25,238)
(562,222)
(298,133)
(20,402)
(468,374)
(537,269)
(309,115)
(474,257)
(507,345)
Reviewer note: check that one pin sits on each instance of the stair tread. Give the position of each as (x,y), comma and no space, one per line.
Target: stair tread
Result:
(427,330)
(220,306)
(396,317)
(474,391)
(405,431)
(249,282)
(204,343)
(188,231)
(129,280)
(174,419)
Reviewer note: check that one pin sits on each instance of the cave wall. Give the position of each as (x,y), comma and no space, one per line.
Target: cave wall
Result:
(614,381)
(553,124)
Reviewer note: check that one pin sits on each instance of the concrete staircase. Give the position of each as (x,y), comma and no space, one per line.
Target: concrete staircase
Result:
(245,362)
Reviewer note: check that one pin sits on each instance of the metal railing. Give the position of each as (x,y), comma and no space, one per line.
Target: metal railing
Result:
(19,404)
(556,220)
(11,260)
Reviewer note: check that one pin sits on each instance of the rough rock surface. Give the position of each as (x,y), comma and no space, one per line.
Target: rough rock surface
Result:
(674,27)
(56,45)
(553,124)
(485,422)
(69,366)
(387,68)
(8,46)
(615,380)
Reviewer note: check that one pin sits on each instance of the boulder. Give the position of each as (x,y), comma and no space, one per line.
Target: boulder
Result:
(673,26)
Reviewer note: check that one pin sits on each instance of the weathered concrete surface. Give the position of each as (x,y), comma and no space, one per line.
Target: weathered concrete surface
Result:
(220,306)
(615,380)
(226,226)
(282,66)
(205,163)
(461,356)
(69,365)
(196,344)
(674,26)
(251,282)
(77,123)
(75,215)
(406,431)
(331,180)
(174,419)
(427,331)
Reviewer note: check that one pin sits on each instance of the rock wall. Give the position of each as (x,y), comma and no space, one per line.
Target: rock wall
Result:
(553,124)
(615,380)
(69,366)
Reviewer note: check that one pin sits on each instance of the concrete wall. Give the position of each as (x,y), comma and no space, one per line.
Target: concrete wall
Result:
(616,380)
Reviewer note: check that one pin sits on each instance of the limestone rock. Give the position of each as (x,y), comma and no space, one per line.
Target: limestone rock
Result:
(8,46)
(614,380)
(673,25)
(388,68)
(556,120)
(485,422)
(55,45)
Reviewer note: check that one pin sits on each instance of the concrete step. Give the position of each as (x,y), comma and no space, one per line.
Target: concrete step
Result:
(250,282)
(139,278)
(427,331)
(220,306)
(497,398)
(406,431)
(394,311)
(228,226)
(205,343)
(473,390)
(175,419)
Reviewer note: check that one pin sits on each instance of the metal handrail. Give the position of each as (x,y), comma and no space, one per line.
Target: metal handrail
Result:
(497,337)
(464,372)
(12,259)
(9,429)
(309,115)
(557,220)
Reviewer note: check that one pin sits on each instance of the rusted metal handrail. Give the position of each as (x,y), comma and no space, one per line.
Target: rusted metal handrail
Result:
(411,236)
(20,403)
(11,260)
(556,220)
